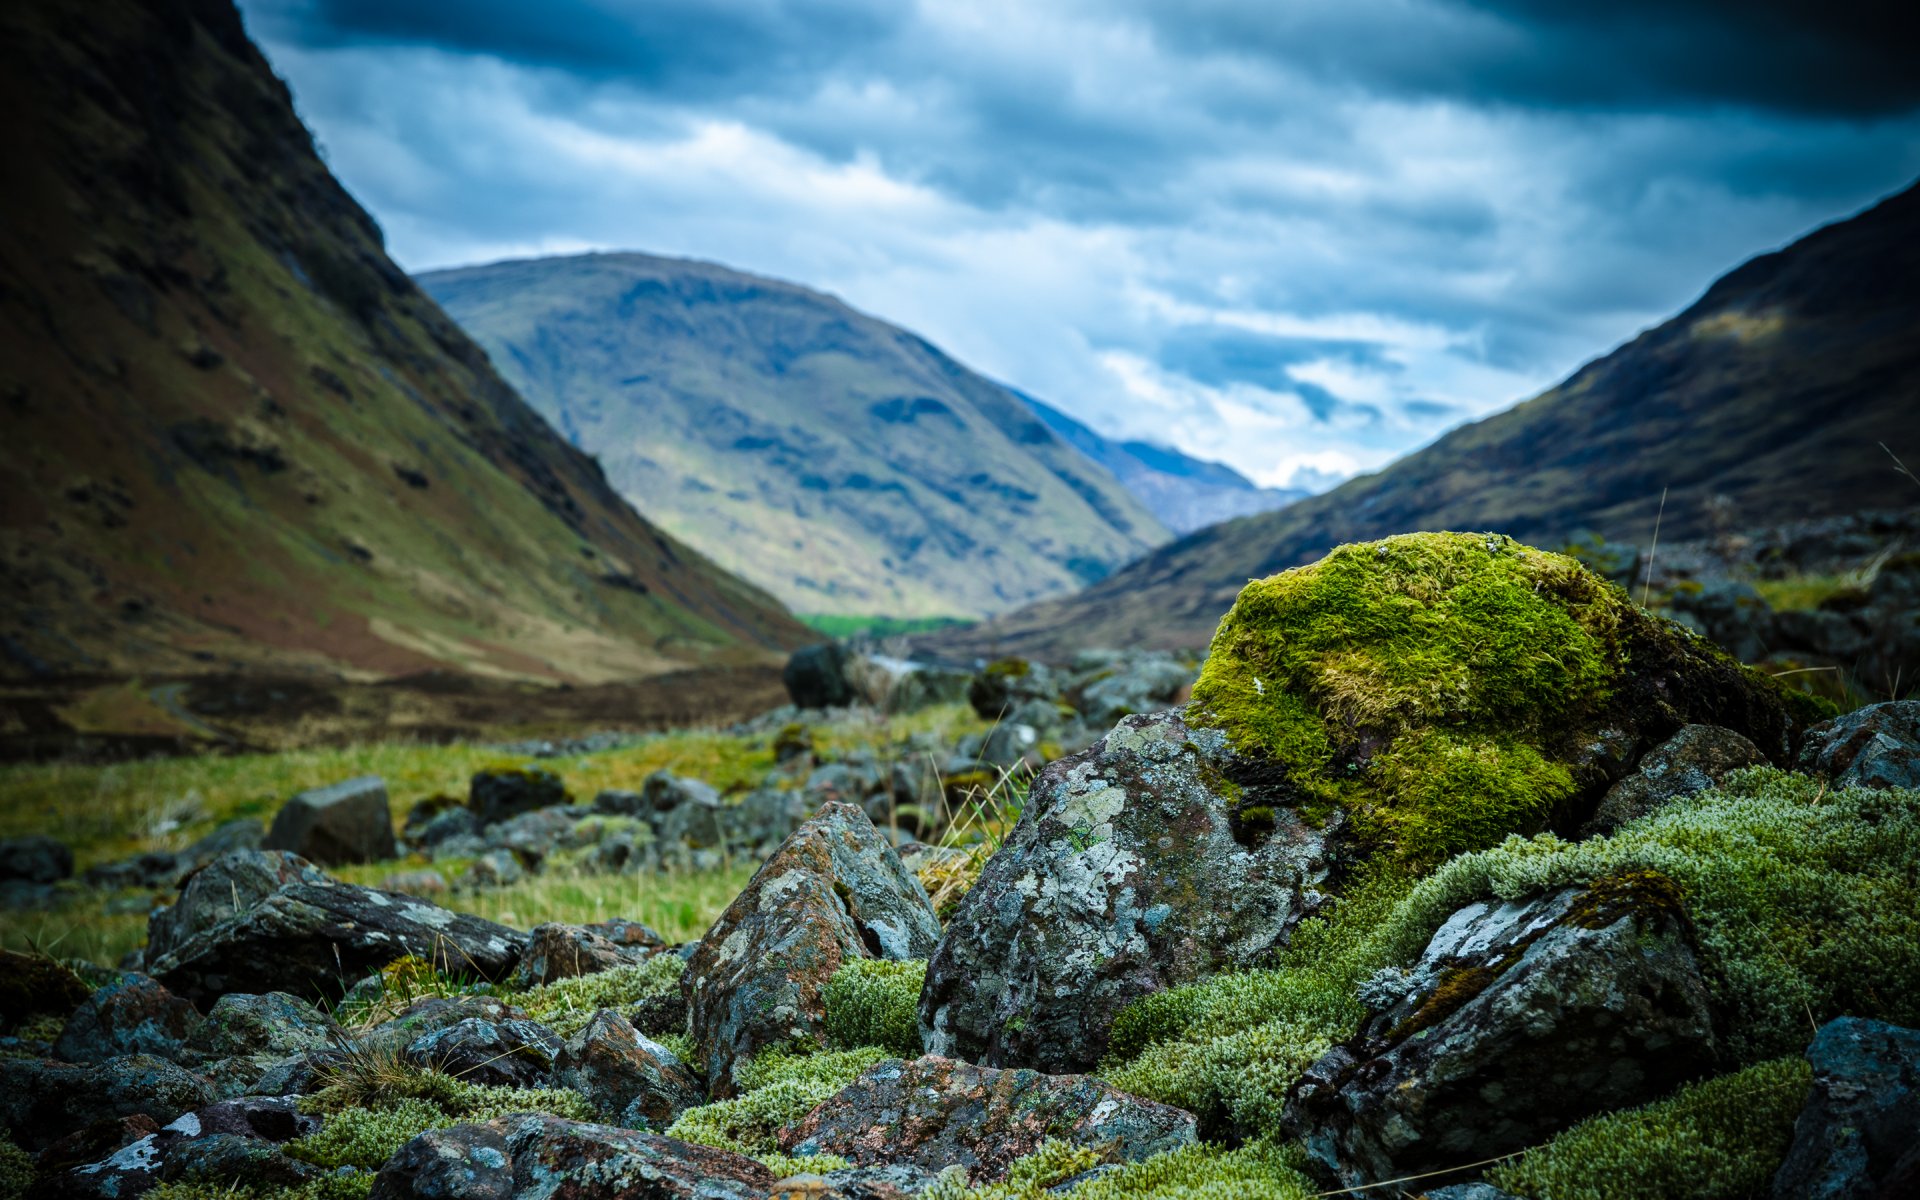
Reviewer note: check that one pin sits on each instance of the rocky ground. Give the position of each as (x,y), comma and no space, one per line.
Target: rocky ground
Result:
(1451,867)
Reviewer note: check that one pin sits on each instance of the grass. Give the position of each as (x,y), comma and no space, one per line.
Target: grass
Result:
(840,625)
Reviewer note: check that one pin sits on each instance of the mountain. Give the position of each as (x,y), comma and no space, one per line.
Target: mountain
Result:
(1186,493)
(238,437)
(843,464)
(1765,401)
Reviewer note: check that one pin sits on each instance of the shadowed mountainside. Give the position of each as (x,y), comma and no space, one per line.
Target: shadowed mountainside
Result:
(1774,391)
(240,438)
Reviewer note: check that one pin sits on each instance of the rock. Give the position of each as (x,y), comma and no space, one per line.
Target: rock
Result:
(34,985)
(513,1053)
(494,869)
(834,890)
(233,1142)
(619,802)
(437,1012)
(163,869)
(897,685)
(308,935)
(1518,1020)
(347,822)
(448,827)
(563,951)
(108,1158)
(1876,746)
(793,746)
(532,1155)
(634,1080)
(660,1016)
(816,677)
(1469,1191)
(1008,683)
(1141,685)
(134,1015)
(1128,872)
(35,858)
(697,823)
(274,1024)
(421,882)
(500,793)
(234,1159)
(663,791)
(1733,614)
(760,820)
(934,1112)
(536,836)
(1690,761)
(1859,1135)
(41,1100)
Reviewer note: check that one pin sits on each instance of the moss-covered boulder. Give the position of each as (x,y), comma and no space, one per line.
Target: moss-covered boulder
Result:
(1447,689)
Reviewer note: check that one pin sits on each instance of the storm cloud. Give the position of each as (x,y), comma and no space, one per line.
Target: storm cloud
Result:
(1301,238)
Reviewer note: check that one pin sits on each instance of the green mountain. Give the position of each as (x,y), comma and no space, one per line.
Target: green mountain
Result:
(1767,400)
(843,464)
(238,437)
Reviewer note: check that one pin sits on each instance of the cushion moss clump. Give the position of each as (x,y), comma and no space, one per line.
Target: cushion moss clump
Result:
(1051,1163)
(1716,1140)
(367,1135)
(16,1169)
(1259,1170)
(566,1005)
(354,1185)
(1440,687)
(874,1002)
(779,1088)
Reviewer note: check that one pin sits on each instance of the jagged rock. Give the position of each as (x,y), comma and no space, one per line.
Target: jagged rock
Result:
(95,1161)
(307,934)
(934,1112)
(660,1016)
(35,858)
(1858,1138)
(514,1052)
(1690,761)
(434,1013)
(563,951)
(1876,746)
(816,677)
(134,1015)
(834,890)
(504,792)
(244,1037)
(41,1100)
(1128,872)
(532,1155)
(1519,1019)
(163,869)
(232,1141)
(633,1079)
(348,822)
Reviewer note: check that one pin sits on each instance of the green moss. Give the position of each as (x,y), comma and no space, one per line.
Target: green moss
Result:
(813,1164)
(16,1170)
(350,1186)
(1256,1171)
(1009,668)
(366,1136)
(1716,1140)
(780,1088)
(873,1002)
(566,1005)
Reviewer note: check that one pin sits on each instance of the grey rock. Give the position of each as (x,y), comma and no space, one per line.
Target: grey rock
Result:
(1469,1191)
(1693,760)
(834,890)
(170,869)
(466,1162)
(556,951)
(1143,685)
(435,1013)
(1859,1135)
(1128,872)
(760,820)
(934,1112)
(1522,1018)
(663,791)
(502,793)
(1008,683)
(220,892)
(533,837)
(40,1099)
(273,1024)
(513,1053)
(423,881)
(348,822)
(1877,746)
(447,826)
(618,802)
(35,858)
(494,869)
(816,677)
(133,1015)
(697,823)
(634,1080)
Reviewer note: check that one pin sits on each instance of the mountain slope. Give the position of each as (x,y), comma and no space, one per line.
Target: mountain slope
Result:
(845,465)
(1184,492)
(239,437)
(1774,390)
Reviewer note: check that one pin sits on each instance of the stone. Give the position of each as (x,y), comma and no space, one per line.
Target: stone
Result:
(348,822)
(133,1015)
(274,1024)
(634,1080)
(833,891)
(619,802)
(1004,685)
(307,935)
(760,820)
(233,1141)
(557,951)
(1690,761)
(42,1100)
(35,858)
(434,1013)
(1129,871)
(1520,1019)
(533,837)
(448,827)
(1142,685)
(423,881)
(512,1053)
(34,985)
(1877,746)
(170,869)
(934,1112)
(494,869)
(1859,1135)
(533,1155)
(500,793)
(816,677)
(663,791)
(697,823)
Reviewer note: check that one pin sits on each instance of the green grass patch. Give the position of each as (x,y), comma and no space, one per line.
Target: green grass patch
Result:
(843,625)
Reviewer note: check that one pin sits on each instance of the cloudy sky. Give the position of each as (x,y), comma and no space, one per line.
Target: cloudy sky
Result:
(1299,237)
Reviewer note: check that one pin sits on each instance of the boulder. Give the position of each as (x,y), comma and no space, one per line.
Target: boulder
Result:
(347,822)
(494,869)
(133,1015)
(1008,683)
(41,1100)
(1130,871)
(1690,761)
(536,836)
(1519,1019)
(935,1112)
(274,1024)
(1145,684)
(532,1155)
(499,793)
(1859,1135)
(513,1053)
(446,827)
(1876,746)
(307,934)
(663,791)
(760,820)
(437,1012)
(35,858)
(634,1080)
(233,1141)
(834,890)
(816,677)
(557,951)
(697,823)
(169,869)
